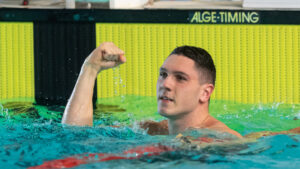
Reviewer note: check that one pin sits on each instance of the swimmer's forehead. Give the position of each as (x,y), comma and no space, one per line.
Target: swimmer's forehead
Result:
(163,69)
(180,65)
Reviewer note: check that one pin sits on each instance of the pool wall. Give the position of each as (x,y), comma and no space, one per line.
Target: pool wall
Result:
(256,52)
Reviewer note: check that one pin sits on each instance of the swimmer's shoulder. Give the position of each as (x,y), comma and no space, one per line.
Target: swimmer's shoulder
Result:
(217,125)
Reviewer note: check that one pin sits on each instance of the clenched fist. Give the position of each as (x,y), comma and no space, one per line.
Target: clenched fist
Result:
(106,56)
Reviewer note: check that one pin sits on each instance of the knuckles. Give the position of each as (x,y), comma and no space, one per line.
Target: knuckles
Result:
(110,48)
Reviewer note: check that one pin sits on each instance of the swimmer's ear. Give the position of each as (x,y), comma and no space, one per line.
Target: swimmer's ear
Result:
(206,91)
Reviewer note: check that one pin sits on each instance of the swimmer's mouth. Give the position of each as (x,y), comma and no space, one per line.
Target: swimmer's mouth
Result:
(165,98)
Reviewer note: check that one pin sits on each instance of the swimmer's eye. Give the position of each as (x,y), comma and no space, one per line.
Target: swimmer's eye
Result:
(180,78)
(163,74)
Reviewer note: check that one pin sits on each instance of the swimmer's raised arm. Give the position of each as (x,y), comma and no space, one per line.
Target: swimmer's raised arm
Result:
(79,109)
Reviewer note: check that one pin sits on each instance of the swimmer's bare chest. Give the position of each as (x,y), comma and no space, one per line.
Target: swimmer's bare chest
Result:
(161,128)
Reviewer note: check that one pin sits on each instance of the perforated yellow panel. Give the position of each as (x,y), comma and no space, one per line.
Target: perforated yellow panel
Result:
(16,61)
(255,63)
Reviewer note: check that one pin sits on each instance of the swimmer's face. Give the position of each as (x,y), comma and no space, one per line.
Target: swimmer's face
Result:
(178,87)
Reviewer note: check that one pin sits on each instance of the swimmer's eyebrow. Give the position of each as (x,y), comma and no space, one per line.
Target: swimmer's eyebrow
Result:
(162,69)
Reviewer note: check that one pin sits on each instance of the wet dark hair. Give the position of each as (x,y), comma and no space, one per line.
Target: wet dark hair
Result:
(203,61)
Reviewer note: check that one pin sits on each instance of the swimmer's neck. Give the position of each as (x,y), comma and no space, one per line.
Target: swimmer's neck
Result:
(196,119)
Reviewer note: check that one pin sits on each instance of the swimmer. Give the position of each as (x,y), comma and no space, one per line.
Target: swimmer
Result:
(185,84)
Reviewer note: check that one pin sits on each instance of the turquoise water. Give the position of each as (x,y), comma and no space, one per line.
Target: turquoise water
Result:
(32,134)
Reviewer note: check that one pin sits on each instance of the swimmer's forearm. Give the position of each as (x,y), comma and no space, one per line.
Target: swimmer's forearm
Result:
(79,109)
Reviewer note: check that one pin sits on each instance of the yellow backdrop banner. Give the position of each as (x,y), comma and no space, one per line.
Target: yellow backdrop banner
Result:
(255,63)
(16,61)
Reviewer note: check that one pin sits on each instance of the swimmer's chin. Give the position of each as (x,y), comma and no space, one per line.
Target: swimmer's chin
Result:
(166,114)
(163,113)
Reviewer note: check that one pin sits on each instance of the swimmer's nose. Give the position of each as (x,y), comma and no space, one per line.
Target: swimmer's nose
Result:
(167,83)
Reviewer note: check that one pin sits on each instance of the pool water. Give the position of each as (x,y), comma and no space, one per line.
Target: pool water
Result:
(32,134)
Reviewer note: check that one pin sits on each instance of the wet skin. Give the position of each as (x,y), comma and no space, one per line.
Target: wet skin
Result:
(178,87)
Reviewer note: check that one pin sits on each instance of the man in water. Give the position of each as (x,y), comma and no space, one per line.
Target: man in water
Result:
(185,84)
